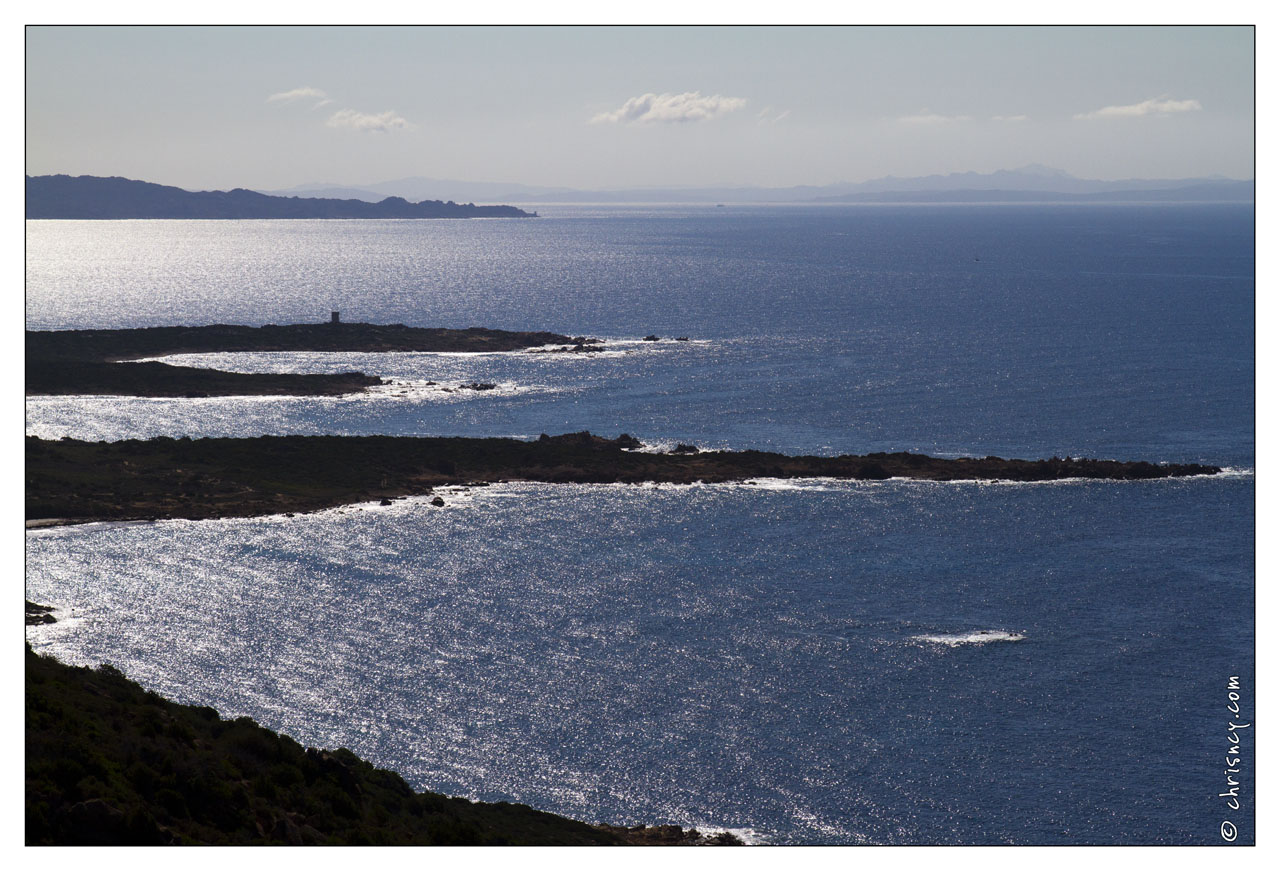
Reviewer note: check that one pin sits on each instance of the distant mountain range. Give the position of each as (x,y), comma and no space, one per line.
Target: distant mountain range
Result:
(1033,183)
(87,196)
(1200,192)
(62,196)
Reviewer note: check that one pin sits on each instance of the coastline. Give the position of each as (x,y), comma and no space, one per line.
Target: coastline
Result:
(70,481)
(87,197)
(100,362)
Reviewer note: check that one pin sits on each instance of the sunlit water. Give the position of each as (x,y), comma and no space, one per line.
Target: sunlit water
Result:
(816,662)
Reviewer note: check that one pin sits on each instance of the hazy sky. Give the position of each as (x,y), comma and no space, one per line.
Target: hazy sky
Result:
(267,107)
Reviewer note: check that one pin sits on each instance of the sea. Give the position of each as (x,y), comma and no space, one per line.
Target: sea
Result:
(801,662)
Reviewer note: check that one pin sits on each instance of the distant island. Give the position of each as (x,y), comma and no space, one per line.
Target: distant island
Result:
(82,362)
(92,197)
(75,481)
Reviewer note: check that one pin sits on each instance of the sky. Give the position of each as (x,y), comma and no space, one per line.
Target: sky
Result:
(599,108)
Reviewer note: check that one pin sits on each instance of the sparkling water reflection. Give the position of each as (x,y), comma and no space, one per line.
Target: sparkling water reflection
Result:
(749,656)
(814,662)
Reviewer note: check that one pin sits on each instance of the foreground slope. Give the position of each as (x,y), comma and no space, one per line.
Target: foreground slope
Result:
(108,762)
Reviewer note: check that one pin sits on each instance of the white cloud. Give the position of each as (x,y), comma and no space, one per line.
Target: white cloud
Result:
(1156,106)
(297,94)
(926,118)
(380,123)
(670,109)
(1008,117)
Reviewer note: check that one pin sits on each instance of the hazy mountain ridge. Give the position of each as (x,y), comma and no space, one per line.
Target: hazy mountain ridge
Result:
(1205,192)
(1031,183)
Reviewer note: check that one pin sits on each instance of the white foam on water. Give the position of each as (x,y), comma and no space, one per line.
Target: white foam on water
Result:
(462,353)
(613,347)
(58,528)
(454,496)
(113,398)
(68,620)
(661,446)
(816,485)
(1065,482)
(561,352)
(394,389)
(567,352)
(981,636)
(417,390)
(749,836)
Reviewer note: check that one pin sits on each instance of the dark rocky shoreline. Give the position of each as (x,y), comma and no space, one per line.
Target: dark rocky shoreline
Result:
(109,763)
(153,379)
(92,362)
(38,614)
(237,477)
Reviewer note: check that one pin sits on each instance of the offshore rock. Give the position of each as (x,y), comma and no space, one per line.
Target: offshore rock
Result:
(38,614)
(670,836)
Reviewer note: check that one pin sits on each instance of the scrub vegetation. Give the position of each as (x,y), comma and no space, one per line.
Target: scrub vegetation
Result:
(108,762)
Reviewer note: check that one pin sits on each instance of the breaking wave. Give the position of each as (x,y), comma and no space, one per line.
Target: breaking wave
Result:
(981,636)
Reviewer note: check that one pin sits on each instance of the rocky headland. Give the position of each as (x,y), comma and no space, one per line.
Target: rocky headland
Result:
(80,362)
(77,481)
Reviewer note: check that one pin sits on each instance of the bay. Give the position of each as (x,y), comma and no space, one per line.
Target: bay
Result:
(822,663)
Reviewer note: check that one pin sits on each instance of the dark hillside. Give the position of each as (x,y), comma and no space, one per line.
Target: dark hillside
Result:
(92,197)
(109,763)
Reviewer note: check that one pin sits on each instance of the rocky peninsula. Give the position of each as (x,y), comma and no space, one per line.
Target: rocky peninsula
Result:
(79,362)
(75,481)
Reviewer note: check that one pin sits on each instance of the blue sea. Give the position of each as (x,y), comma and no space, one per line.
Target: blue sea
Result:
(802,662)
